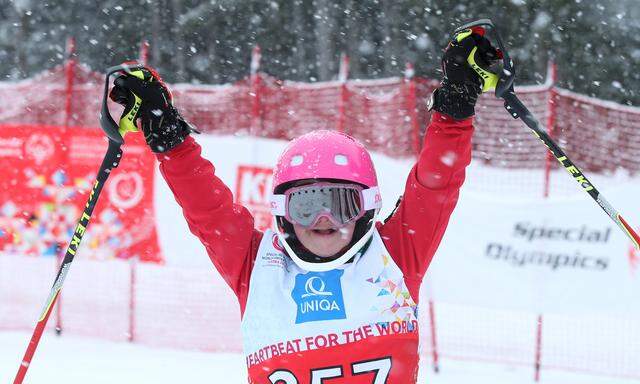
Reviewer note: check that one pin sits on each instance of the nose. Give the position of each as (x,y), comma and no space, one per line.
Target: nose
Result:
(323,220)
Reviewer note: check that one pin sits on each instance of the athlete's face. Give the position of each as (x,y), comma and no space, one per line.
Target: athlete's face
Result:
(325,239)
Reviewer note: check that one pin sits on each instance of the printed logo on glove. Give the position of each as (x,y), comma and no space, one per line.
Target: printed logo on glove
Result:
(149,104)
(470,65)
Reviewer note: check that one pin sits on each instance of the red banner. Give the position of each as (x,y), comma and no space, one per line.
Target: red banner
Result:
(45,178)
(253,187)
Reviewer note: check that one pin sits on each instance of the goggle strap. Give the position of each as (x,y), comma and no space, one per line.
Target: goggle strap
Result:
(329,265)
(372,198)
(278,205)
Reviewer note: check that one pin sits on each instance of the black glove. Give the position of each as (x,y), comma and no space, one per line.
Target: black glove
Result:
(469,66)
(145,97)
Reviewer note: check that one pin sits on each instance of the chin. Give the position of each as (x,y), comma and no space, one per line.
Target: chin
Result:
(326,247)
(324,251)
(324,255)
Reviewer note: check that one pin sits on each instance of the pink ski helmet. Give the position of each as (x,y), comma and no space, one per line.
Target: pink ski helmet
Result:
(325,154)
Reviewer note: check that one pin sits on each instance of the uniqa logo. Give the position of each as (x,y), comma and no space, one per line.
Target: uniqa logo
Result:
(319,305)
(318,296)
(311,290)
(317,290)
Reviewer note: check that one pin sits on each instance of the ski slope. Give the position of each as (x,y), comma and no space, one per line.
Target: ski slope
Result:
(71,360)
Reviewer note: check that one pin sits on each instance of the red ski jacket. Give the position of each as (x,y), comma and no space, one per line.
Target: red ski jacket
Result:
(411,234)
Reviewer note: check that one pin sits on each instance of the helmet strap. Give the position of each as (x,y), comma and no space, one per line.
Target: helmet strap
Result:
(355,250)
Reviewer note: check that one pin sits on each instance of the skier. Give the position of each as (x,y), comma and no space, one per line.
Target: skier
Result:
(330,293)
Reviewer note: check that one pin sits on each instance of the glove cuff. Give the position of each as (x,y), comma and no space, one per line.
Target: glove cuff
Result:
(455,100)
(173,131)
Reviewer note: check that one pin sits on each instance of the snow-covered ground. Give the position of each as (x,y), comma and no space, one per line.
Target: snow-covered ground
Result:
(72,360)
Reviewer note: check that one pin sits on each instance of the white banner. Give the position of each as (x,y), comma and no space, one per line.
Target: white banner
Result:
(555,255)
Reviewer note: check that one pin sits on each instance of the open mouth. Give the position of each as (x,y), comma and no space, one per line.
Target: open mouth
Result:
(327,231)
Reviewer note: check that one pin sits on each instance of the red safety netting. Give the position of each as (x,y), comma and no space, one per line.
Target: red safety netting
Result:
(377,112)
(599,135)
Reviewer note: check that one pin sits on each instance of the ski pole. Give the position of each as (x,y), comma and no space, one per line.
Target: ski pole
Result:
(111,160)
(505,91)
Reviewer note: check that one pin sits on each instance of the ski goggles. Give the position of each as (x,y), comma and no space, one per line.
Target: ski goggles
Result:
(340,203)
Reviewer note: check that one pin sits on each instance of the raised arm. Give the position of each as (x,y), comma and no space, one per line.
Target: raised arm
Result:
(225,229)
(414,231)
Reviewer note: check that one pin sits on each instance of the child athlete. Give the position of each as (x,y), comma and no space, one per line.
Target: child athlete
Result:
(330,293)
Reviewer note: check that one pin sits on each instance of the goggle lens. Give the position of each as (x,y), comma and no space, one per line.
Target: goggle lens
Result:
(341,203)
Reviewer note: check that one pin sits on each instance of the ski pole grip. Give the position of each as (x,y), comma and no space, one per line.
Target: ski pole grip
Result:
(477,23)
(508,74)
(108,124)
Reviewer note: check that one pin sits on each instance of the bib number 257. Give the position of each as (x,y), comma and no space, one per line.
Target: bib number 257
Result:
(380,368)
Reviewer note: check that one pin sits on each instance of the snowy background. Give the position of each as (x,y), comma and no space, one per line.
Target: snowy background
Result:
(486,308)
(596,42)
